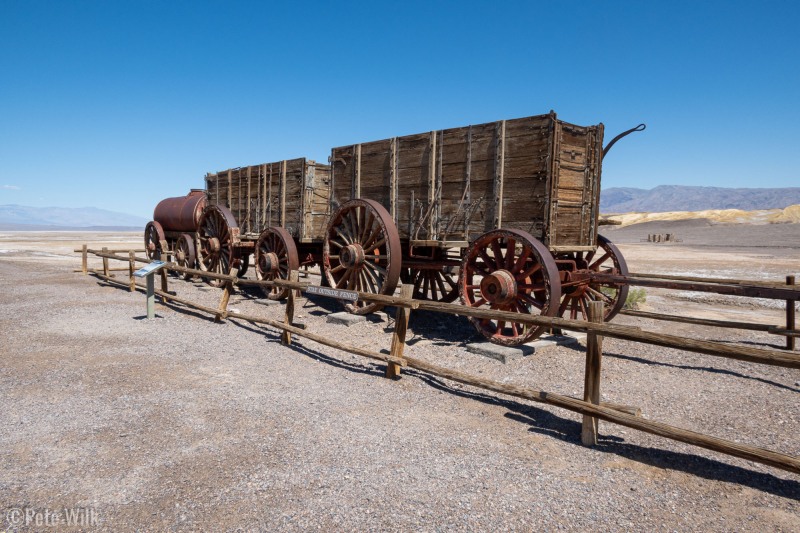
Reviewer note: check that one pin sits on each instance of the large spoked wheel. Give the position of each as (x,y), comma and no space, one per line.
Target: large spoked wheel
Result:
(276,256)
(435,284)
(577,294)
(509,270)
(216,239)
(154,240)
(361,251)
(185,255)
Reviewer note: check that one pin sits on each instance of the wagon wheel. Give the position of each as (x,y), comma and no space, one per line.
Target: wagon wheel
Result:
(185,254)
(154,240)
(436,284)
(509,270)
(576,297)
(361,251)
(215,241)
(276,256)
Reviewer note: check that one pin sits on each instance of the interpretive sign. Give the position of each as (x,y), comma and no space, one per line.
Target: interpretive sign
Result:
(149,268)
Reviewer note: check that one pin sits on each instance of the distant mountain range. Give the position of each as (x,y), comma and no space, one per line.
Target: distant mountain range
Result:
(614,200)
(25,217)
(689,198)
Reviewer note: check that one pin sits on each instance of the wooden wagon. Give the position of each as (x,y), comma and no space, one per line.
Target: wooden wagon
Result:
(503,215)
(276,211)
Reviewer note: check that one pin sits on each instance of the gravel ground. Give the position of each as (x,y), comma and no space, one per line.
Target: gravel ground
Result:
(179,423)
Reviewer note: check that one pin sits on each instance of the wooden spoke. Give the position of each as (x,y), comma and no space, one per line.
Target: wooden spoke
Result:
(433,282)
(185,254)
(215,244)
(361,251)
(520,276)
(577,294)
(153,237)
(275,257)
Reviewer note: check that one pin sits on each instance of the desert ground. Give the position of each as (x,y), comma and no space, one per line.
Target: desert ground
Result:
(180,423)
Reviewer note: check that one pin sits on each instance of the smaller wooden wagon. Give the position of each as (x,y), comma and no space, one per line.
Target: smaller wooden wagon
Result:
(276,211)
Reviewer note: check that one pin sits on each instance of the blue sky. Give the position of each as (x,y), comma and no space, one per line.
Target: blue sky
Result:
(119,104)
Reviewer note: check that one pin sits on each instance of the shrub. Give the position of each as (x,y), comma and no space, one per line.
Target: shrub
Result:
(635,298)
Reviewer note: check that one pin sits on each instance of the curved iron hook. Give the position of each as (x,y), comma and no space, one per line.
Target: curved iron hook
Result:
(640,127)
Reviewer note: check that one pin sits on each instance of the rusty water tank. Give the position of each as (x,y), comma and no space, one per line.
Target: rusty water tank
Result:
(181,213)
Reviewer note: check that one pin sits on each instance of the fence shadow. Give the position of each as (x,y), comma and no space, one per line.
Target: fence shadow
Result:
(453,329)
(543,422)
(712,370)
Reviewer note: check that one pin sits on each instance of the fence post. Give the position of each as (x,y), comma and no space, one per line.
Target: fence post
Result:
(222,310)
(105,262)
(591,387)
(131,268)
(164,286)
(790,321)
(84,260)
(286,336)
(399,336)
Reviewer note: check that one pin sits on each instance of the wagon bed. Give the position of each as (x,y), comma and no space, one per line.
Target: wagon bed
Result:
(293,194)
(445,188)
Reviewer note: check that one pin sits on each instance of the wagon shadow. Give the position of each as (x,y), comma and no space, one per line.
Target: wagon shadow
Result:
(543,422)
(439,329)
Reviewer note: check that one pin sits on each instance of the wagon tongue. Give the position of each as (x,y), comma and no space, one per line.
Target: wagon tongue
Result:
(640,127)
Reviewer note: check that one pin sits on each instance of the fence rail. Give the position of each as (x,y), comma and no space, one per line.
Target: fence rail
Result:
(589,406)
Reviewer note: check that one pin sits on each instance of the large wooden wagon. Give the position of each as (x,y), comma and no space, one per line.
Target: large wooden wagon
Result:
(504,214)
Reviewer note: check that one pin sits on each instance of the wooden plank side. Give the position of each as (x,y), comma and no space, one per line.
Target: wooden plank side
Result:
(577,186)
(376,172)
(293,188)
(525,203)
(342,173)
(594,164)
(316,203)
(444,185)
(274,194)
(212,188)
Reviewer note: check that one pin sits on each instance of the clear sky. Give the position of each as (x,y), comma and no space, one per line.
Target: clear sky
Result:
(120,104)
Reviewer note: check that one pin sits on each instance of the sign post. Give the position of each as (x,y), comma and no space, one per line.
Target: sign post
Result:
(148,271)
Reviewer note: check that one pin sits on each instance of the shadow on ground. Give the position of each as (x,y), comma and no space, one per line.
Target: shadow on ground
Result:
(456,329)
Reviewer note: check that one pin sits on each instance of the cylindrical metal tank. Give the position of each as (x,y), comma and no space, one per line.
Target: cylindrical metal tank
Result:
(181,213)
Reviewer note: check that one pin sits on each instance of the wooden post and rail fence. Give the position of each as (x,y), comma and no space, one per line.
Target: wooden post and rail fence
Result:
(590,406)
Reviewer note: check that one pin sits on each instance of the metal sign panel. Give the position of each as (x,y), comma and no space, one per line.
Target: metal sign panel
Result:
(339,294)
(150,268)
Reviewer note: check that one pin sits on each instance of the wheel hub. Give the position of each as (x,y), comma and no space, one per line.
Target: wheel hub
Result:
(499,287)
(352,255)
(270,262)
(180,256)
(213,244)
